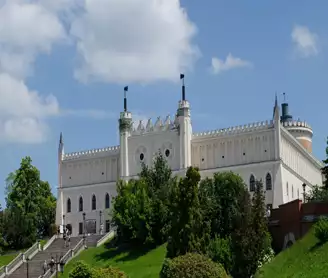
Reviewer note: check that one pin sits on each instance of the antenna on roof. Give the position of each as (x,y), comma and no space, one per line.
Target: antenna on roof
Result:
(126,88)
(183,86)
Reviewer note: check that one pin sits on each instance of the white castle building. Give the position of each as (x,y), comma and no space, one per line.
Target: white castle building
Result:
(278,151)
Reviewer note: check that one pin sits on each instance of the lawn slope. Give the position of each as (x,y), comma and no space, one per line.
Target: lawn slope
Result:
(135,263)
(306,258)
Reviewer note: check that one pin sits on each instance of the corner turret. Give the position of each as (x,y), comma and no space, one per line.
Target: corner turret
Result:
(125,128)
(185,129)
(299,129)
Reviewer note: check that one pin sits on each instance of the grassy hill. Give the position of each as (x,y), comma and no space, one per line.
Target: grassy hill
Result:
(135,263)
(306,258)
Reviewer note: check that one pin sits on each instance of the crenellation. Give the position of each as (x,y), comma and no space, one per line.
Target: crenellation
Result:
(158,126)
(93,152)
(236,129)
(296,124)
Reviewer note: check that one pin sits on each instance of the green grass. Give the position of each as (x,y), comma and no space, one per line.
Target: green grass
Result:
(135,263)
(6,259)
(306,258)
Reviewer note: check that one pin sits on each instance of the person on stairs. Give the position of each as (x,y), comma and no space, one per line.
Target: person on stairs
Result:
(45,267)
(65,237)
(69,239)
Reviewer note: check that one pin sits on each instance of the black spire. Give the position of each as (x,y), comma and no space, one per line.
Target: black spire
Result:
(183,86)
(61,138)
(126,88)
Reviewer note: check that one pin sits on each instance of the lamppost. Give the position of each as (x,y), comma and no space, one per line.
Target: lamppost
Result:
(27,273)
(100,222)
(84,228)
(64,230)
(57,263)
(304,185)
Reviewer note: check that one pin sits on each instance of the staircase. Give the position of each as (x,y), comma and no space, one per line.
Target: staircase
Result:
(35,265)
(91,241)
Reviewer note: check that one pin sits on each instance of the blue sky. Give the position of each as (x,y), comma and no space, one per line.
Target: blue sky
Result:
(63,66)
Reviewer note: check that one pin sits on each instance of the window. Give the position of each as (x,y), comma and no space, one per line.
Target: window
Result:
(69,205)
(287,188)
(107,201)
(94,202)
(292,191)
(80,228)
(252,183)
(107,228)
(81,204)
(268,182)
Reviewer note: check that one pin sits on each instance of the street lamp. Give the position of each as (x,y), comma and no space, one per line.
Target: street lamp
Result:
(84,228)
(100,222)
(304,185)
(27,270)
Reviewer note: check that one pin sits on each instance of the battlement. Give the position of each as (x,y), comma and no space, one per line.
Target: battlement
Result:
(93,152)
(235,130)
(158,126)
(303,124)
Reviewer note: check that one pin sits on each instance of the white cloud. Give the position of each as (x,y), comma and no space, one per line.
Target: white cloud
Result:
(26,29)
(133,40)
(305,41)
(231,62)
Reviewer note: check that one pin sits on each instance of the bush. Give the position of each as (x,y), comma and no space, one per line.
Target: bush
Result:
(81,270)
(321,229)
(219,250)
(192,265)
(109,272)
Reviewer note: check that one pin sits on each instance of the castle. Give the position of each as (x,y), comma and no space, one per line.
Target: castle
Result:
(278,151)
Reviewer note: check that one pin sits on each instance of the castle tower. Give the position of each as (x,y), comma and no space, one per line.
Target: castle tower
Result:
(185,129)
(299,129)
(125,126)
(60,201)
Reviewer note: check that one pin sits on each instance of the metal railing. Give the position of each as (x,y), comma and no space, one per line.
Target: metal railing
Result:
(14,263)
(49,242)
(3,271)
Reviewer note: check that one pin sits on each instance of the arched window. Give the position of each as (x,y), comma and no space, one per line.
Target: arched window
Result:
(268,182)
(252,183)
(292,191)
(94,202)
(287,190)
(107,201)
(69,205)
(80,203)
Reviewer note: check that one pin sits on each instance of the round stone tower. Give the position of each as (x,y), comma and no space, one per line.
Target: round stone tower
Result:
(299,129)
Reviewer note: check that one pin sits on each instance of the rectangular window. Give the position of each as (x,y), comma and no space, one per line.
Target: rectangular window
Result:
(80,228)
(107,226)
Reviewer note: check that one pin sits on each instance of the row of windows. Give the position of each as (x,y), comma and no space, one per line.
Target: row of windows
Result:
(93,203)
(268,182)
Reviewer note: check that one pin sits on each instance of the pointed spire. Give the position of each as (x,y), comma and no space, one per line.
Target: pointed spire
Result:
(61,138)
(276,101)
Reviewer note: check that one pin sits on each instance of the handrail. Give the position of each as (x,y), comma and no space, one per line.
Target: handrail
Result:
(49,242)
(107,236)
(2,270)
(78,246)
(31,250)
(12,264)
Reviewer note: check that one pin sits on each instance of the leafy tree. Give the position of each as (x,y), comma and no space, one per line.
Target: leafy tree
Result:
(250,240)
(220,202)
(325,168)
(219,250)
(30,206)
(317,194)
(159,180)
(188,232)
(132,211)
(81,270)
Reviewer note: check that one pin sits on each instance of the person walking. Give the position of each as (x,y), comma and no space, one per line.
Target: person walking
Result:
(65,237)
(45,267)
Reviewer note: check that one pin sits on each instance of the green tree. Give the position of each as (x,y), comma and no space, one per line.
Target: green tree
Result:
(81,270)
(325,168)
(188,232)
(158,179)
(132,211)
(30,202)
(220,197)
(317,194)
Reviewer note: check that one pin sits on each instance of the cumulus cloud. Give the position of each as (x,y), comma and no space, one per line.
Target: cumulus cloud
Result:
(231,62)
(305,41)
(26,29)
(133,40)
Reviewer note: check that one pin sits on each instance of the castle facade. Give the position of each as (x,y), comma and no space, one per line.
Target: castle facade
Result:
(278,151)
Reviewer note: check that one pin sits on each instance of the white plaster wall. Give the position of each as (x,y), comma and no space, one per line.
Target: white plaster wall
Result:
(149,144)
(74,193)
(239,149)
(299,162)
(90,171)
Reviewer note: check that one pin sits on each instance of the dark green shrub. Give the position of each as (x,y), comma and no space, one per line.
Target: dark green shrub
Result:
(81,270)
(219,250)
(192,265)
(109,272)
(321,229)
